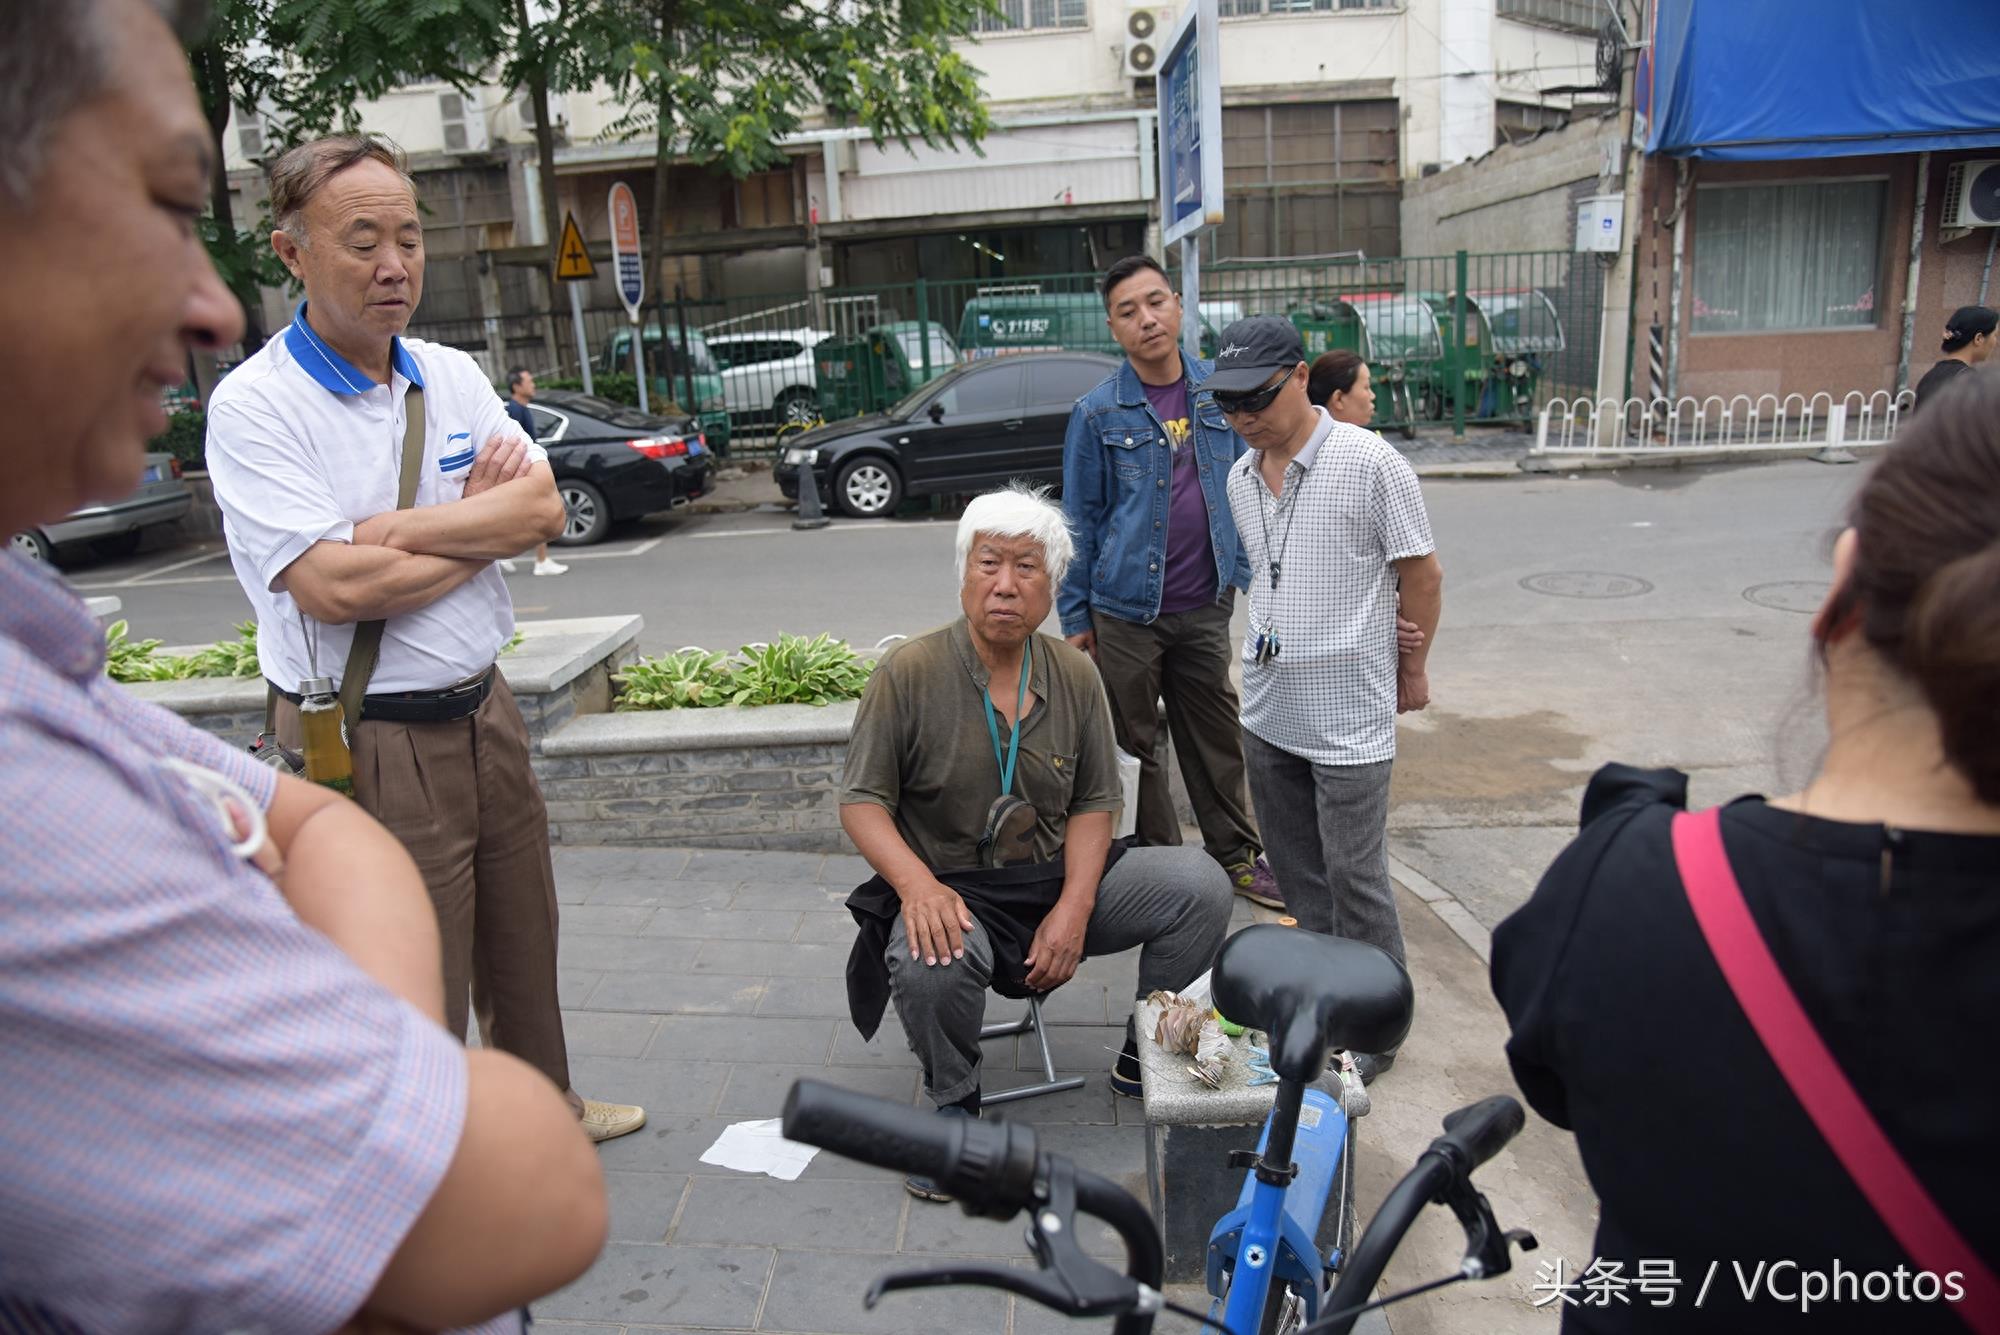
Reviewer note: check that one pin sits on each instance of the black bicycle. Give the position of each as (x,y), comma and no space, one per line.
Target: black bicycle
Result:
(1311,994)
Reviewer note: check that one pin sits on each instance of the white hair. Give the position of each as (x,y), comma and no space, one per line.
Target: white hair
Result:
(1018,510)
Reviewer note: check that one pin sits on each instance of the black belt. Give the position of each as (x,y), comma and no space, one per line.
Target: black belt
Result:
(445,705)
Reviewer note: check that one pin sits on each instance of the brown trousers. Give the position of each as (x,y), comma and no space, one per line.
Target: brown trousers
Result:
(462,799)
(1183,657)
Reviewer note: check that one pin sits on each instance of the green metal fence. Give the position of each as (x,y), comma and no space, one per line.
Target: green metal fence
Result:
(1450,340)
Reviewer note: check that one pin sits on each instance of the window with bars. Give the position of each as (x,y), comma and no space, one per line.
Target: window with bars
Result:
(1573,15)
(1036,15)
(1309,179)
(1802,255)
(1245,8)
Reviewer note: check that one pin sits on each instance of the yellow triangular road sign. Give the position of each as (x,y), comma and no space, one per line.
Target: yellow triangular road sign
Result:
(572,256)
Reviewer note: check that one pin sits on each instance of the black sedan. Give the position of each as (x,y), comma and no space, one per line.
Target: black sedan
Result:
(976,427)
(613,462)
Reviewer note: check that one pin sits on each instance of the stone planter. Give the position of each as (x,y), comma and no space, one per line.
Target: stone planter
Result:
(559,670)
(764,777)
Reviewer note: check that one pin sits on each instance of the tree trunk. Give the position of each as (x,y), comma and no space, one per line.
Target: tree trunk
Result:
(213,72)
(663,166)
(545,159)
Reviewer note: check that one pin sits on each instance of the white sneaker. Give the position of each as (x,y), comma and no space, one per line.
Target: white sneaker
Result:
(550,567)
(506,567)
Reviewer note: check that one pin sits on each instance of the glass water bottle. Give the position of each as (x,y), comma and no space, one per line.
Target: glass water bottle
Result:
(328,760)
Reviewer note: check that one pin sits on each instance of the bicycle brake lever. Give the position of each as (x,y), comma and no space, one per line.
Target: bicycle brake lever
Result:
(986,1276)
(1488,1249)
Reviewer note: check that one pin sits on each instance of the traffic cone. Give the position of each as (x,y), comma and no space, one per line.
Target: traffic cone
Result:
(810,515)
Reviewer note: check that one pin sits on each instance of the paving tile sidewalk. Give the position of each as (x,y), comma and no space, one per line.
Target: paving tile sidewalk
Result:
(702,984)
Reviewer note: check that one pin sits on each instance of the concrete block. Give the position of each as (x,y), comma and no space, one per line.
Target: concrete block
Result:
(758,780)
(795,801)
(636,762)
(548,767)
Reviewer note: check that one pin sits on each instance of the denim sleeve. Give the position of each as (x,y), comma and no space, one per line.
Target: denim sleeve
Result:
(1086,503)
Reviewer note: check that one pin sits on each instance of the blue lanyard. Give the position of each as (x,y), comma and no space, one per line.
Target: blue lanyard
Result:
(1013,737)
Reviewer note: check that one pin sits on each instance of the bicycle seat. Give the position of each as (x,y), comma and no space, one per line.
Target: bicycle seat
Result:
(1312,993)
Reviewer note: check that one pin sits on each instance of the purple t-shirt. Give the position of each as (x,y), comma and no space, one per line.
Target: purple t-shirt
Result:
(1190,581)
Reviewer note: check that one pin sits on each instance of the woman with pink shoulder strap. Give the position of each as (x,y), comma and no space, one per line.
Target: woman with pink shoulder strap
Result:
(1772,1025)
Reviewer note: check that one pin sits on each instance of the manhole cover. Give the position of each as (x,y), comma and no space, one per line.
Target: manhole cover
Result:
(1586,584)
(1789,595)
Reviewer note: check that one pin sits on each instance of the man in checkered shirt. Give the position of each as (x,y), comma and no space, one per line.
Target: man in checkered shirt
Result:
(1334,525)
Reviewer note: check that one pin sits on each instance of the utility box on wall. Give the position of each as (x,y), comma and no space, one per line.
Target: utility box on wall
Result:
(1600,225)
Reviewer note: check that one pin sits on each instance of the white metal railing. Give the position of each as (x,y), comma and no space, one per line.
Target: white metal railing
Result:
(1716,425)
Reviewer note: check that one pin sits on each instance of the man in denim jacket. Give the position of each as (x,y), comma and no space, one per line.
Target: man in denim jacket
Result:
(1158,563)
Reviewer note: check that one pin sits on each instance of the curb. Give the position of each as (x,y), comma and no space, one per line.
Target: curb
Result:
(1484,468)
(1446,906)
(1579,463)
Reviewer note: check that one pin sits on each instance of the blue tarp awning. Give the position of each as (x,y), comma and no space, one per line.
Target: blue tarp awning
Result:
(1752,80)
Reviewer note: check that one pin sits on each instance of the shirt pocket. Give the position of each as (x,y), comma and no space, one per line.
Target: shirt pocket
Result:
(453,466)
(1048,781)
(1127,452)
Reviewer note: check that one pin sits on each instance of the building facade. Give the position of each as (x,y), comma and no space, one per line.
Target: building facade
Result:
(1330,107)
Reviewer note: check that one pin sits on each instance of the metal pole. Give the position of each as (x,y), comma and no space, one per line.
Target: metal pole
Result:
(639,359)
(1455,363)
(582,347)
(924,325)
(1992,237)
(1916,260)
(1191,295)
(1682,171)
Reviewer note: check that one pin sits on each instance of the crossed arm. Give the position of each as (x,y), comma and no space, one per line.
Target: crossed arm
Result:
(402,560)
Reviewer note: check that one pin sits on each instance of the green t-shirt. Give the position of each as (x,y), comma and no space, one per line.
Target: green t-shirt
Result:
(920,748)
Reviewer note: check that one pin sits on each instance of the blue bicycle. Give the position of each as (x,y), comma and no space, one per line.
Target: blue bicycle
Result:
(1311,994)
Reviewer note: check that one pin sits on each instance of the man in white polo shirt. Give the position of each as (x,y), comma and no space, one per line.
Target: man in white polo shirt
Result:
(1333,523)
(305,446)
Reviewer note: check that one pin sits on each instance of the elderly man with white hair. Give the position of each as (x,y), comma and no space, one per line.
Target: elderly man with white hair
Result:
(984,743)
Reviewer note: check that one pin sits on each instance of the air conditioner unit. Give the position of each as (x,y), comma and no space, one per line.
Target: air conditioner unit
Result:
(1972,194)
(526,107)
(1146,31)
(463,122)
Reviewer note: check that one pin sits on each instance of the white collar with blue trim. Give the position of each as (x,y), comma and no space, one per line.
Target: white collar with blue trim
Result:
(334,372)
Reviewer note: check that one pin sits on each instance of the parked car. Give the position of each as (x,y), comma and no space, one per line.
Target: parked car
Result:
(977,426)
(114,531)
(669,373)
(613,462)
(768,376)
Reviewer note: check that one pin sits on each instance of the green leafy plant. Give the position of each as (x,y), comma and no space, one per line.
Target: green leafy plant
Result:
(794,669)
(230,658)
(690,679)
(799,671)
(128,660)
(186,432)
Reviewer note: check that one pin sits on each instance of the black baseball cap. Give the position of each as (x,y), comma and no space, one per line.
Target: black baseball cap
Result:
(1252,351)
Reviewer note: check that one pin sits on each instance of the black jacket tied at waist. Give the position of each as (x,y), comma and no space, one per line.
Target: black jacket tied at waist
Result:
(1008,903)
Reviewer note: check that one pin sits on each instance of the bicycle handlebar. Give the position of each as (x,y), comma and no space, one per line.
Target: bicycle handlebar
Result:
(1477,1133)
(988,1165)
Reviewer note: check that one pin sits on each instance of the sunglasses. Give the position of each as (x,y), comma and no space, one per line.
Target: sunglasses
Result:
(1256,401)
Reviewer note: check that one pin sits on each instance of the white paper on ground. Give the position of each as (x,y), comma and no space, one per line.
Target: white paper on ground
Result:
(759,1147)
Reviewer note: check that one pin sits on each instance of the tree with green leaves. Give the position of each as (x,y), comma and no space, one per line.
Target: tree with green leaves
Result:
(724,81)
(305,66)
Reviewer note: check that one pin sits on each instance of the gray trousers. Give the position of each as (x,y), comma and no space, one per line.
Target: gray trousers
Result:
(1184,658)
(1326,835)
(1173,903)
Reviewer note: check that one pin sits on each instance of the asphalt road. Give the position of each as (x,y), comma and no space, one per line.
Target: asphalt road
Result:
(1653,616)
